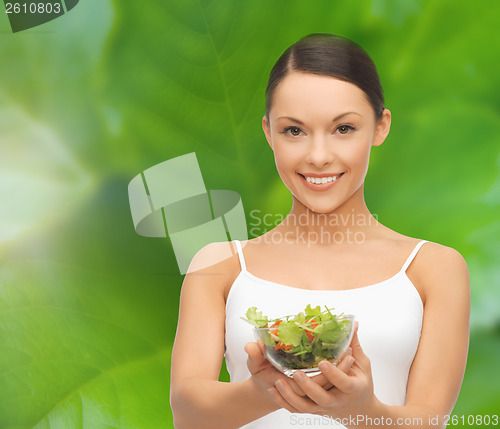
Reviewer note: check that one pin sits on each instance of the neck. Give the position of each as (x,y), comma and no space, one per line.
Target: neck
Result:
(349,223)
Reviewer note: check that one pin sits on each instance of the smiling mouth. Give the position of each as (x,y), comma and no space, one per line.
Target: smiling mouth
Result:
(321,180)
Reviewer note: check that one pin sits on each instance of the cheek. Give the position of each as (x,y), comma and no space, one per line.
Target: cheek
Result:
(286,156)
(356,154)
(287,161)
(360,155)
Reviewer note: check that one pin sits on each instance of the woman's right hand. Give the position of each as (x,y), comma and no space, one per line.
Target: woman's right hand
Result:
(265,374)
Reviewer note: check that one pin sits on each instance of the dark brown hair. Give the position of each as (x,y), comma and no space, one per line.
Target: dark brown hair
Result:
(329,55)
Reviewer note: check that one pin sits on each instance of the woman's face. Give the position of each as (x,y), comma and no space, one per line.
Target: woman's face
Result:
(321,130)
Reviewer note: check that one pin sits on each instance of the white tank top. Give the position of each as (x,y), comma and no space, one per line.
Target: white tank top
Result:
(390,321)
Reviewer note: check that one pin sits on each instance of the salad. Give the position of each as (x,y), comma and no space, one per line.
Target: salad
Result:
(301,341)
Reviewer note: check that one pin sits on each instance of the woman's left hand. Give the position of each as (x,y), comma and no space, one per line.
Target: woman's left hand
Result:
(352,391)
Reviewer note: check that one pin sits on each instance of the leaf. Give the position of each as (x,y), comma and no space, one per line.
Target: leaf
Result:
(289,333)
(312,312)
(71,357)
(39,177)
(256,317)
(300,318)
(329,331)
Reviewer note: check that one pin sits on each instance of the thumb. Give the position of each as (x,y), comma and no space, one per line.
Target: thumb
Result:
(357,351)
(255,357)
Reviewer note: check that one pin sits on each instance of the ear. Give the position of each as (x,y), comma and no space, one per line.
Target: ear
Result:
(267,130)
(382,128)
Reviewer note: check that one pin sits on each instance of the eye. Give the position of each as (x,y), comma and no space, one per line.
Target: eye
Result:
(344,129)
(293,131)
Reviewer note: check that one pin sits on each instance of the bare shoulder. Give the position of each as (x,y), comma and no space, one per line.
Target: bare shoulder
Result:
(212,257)
(433,259)
(216,264)
(440,260)
(440,271)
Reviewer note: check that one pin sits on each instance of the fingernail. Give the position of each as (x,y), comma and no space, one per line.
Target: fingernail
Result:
(323,366)
(279,384)
(271,392)
(299,375)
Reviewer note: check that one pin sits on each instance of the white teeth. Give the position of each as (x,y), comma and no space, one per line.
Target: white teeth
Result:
(319,180)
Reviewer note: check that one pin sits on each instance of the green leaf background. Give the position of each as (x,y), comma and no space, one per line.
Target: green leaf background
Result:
(88,308)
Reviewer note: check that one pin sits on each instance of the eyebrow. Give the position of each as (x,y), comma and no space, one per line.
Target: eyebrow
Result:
(333,120)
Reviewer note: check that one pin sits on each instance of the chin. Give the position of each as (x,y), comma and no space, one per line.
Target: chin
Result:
(322,210)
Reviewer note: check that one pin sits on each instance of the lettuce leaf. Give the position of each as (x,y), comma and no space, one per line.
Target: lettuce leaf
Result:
(312,312)
(256,317)
(290,333)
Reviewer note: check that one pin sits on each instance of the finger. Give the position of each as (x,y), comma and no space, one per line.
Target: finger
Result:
(336,376)
(262,346)
(346,363)
(344,354)
(322,381)
(255,359)
(294,386)
(254,352)
(256,362)
(357,352)
(250,348)
(300,403)
(280,401)
(314,391)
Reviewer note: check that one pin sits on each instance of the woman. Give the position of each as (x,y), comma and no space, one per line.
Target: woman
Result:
(324,112)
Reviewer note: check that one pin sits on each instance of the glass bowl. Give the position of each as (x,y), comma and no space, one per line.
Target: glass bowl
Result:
(313,344)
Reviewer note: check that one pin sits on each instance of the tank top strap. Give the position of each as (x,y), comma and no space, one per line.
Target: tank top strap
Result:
(240,255)
(412,255)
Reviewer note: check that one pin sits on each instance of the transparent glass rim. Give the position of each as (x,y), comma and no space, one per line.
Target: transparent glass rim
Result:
(343,317)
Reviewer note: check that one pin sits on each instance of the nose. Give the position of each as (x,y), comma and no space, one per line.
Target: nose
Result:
(320,152)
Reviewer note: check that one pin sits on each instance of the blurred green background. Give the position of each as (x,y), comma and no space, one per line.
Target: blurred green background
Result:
(88,308)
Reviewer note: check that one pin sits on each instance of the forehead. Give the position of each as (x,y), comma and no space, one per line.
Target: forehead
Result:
(308,94)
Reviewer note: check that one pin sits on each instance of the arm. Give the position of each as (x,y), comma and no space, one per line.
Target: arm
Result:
(437,370)
(198,399)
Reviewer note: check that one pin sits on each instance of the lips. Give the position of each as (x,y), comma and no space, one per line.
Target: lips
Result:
(320,182)
(322,179)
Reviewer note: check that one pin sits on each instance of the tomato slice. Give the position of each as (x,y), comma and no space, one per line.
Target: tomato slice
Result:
(275,325)
(274,331)
(281,346)
(309,334)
